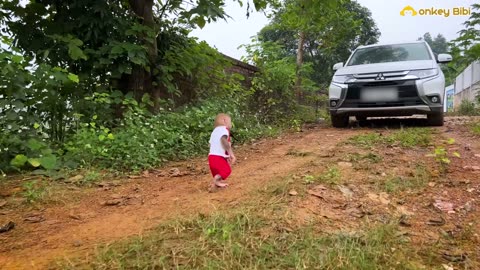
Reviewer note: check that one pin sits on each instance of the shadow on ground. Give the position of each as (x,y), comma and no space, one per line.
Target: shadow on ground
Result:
(398,122)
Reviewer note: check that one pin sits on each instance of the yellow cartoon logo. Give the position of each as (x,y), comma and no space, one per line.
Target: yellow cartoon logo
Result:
(408,10)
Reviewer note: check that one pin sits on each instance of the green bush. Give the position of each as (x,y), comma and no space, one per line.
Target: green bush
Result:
(467,108)
(144,140)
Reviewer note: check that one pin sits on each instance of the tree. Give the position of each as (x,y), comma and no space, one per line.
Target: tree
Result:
(465,48)
(106,42)
(438,45)
(331,40)
(305,17)
(469,39)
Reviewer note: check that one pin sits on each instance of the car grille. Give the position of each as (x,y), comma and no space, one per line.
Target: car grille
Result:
(407,94)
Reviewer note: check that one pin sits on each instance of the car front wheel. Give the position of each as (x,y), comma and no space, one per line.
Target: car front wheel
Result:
(435,119)
(339,121)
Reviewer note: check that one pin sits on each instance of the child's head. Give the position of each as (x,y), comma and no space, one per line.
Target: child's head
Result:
(223,119)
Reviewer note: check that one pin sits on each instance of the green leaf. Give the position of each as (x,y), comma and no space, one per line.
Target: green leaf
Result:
(17,59)
(59,69)
(200,21)
(48,162)
(19,161)
(36,126)
(11,115)
(35,162)
(76,53)
(101,137)
(76,42)
(45,54)
(18,104)
(116,50)
(456,154)
(47,151)
(72,77)
(451,141)
(110,136)
(34,144)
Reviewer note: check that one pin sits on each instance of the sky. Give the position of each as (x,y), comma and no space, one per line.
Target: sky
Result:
(227,36)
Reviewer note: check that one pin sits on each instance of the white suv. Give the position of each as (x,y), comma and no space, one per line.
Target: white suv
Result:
(388,80)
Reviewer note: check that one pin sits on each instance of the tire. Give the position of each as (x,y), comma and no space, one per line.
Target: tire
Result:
(339,121)
(361,118)
(435,119)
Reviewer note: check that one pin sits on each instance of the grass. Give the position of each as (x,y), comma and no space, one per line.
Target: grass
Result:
(34,191)
(365,140)
(363,161)
(331,176)
(405,137)
(90,178)
(246,239)
(475,128)
(416,182)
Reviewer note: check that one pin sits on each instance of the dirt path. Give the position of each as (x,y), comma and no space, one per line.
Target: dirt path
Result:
(180,190)
(142,203)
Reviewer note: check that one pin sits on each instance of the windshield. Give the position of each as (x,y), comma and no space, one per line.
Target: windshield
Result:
(390,53)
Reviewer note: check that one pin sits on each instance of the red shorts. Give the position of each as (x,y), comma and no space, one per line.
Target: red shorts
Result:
(219,166)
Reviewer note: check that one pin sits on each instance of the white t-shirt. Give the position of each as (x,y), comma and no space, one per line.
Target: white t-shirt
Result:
(216,147)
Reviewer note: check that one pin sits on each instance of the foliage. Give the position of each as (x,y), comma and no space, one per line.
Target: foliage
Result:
(142,140)
(330,37)
(37,154)
(272,90)
(70,70)
(438,44)
(475,128)
(469,38)
(122,85)
(468,108)
(31,114)
(33,191)
(331,176)
(442,156)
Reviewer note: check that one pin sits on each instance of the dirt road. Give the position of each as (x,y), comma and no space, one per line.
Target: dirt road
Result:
(117,210)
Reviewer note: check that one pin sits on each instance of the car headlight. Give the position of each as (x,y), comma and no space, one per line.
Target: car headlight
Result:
(342,78)
(424,73)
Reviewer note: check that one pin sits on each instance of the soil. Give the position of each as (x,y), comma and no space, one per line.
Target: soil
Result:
(117,209)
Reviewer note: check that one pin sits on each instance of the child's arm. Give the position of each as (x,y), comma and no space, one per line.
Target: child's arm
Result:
(228,147)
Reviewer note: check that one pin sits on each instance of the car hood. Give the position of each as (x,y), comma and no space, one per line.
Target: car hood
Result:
(386,67)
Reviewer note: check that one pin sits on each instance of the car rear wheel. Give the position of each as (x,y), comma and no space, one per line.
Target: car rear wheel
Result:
(435,119)
(339,121)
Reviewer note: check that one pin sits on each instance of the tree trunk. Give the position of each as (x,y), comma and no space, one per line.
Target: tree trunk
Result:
(300,51)
(141,80)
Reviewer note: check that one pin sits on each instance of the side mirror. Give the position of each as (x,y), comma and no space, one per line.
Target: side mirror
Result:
(338,66)
(444,58)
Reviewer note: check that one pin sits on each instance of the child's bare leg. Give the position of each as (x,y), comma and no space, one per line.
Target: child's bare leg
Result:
(216,178)
(217,181)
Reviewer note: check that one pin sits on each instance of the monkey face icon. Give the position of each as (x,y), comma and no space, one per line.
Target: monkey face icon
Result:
(408,11)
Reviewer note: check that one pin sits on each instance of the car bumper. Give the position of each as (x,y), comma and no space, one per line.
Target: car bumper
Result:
(415,97)
(388,111)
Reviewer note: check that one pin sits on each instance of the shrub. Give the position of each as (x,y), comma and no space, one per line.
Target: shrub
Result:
(143,140)
(467,108)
